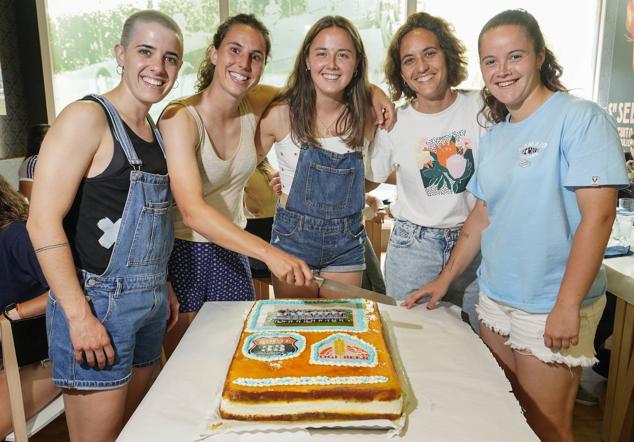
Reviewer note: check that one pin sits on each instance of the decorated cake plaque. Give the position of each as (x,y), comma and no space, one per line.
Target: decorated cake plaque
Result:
(273,346)
(308,316)
(341,349)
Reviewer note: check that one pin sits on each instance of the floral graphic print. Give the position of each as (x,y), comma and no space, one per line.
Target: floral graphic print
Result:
(446,163)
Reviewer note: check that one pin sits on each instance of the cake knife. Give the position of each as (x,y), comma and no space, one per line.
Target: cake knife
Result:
(350,291)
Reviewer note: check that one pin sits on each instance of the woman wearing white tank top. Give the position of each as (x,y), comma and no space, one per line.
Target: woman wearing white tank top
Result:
(320,126)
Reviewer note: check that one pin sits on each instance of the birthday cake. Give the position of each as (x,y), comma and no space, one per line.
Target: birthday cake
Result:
(312,360)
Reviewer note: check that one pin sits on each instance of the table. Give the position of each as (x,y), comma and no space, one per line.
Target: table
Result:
(619,412)
(461,392)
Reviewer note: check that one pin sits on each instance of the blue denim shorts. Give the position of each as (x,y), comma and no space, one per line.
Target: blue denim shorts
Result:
(134,311)
(416,255)
(327,245)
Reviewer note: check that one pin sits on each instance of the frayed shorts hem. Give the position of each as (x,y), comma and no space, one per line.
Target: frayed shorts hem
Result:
(553,357)
(525,331)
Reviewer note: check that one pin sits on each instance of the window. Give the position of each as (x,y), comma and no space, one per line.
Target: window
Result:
(570,28)
(289,20)
(82,36)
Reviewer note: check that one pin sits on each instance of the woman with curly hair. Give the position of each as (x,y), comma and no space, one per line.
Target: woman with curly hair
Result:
(432,149)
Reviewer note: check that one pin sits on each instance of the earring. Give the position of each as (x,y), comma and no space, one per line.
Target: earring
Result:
(119,69)
(176,84)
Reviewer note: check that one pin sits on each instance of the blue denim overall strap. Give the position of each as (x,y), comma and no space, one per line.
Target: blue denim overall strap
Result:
(326,184)
(146,232)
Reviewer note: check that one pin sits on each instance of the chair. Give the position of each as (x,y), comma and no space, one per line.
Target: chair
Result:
(29,336)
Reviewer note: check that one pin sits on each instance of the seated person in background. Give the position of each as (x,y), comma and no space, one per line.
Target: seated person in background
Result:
(33,143)
(23,293)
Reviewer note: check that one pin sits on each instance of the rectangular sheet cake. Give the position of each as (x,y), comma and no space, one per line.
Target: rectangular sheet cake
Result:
(312,360)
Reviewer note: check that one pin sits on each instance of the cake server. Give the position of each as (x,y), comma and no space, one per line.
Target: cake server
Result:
(350,291)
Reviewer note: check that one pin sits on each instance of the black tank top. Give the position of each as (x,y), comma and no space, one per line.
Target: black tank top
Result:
(92,222)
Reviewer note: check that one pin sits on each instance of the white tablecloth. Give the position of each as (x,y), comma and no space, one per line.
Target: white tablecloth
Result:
(461,393)
(620,273)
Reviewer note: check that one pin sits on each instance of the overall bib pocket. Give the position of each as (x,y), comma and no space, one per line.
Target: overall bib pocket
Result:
(150,244)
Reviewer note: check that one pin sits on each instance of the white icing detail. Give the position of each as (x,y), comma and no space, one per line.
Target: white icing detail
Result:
(110,232)
(310,380)
(273,409)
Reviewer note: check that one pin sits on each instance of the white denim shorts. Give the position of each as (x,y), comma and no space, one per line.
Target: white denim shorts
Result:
(526,331)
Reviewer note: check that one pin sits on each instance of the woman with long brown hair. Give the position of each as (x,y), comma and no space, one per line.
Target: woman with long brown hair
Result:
(210,150)
(320,126)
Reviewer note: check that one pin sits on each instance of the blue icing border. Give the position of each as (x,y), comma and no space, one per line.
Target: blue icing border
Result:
(316,360)
(310,380)
(300,343)
(357,305)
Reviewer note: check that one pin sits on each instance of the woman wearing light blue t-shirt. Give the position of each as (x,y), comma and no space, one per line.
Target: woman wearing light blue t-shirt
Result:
(546,184)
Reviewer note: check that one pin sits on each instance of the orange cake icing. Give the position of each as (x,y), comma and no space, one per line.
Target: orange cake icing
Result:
(312,360)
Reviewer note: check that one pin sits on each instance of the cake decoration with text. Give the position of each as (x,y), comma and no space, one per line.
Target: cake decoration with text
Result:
(343,350)
(273,346)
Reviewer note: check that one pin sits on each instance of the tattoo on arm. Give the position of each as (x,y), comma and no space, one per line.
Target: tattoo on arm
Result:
(52,246)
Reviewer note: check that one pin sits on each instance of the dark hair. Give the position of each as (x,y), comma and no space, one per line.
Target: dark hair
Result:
(206,68)
(453,49)
(300,90)
(148,16)
(549,74)
(34,138)
(13,206)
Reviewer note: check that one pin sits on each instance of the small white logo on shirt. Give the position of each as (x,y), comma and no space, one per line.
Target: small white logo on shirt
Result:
(110,232)
(530,150)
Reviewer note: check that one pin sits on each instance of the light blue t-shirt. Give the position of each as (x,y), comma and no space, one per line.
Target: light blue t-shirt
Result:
(527,173)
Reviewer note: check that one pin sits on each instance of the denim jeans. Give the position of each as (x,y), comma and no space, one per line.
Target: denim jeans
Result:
(416,255)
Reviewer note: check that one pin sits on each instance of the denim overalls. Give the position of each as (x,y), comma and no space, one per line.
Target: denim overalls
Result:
(130,297)
(322,220)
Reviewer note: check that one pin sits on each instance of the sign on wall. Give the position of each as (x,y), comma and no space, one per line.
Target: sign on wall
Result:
(621,86)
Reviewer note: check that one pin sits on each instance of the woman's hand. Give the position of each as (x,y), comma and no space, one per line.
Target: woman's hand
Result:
(562,327)
(275,183)
(174,306)
(436,289)
(383,107)
(288,268)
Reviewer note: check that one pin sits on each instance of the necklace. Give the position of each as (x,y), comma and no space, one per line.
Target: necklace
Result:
(327,128)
